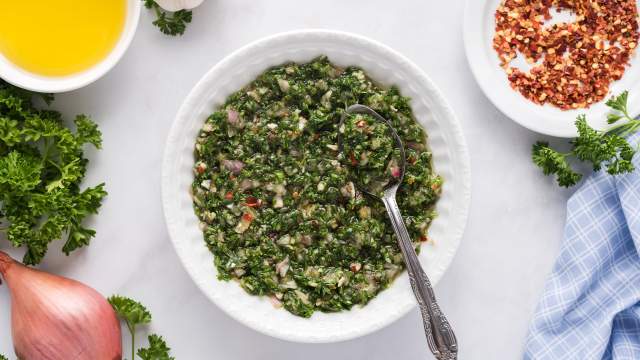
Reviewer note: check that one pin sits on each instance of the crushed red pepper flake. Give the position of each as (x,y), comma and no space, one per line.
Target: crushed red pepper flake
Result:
(253,202)
(572,63)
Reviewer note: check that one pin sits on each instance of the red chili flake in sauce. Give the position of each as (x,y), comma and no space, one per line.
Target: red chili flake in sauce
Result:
(572,63)
(201,167)
(353,160)
(253,202)
(247,217)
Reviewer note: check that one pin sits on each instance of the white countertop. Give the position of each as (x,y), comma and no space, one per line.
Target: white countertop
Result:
(490,290)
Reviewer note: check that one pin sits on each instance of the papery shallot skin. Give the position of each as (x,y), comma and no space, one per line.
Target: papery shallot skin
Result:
(55,318)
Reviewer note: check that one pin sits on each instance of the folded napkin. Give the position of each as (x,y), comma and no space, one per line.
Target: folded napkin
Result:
(590,308)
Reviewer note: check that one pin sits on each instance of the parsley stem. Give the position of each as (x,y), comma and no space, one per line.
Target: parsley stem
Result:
(47,148)
(132,330)
(624,129)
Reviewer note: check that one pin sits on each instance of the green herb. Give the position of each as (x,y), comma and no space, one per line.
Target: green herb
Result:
(277,205)
(133,314)
(608,149)
(169,23)
(157,350)
(41,168)
(2,357)
(370,152)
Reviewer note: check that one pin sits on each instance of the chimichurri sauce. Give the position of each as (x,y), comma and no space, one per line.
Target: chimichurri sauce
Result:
(370,153)
(274,196)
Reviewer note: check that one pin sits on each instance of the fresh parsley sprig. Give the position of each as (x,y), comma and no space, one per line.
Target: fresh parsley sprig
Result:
(133,314)
(169,23)
(2,357)
(608,149)
(41,168)
(157,350)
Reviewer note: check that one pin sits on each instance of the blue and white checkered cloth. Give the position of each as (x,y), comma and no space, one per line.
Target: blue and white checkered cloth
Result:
(590,308)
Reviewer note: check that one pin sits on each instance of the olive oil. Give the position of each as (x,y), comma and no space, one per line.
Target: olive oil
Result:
(59,37)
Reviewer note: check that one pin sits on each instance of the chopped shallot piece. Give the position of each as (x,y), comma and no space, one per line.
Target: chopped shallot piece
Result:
(234,166)
(395,171)
(244,223)
(233,118)
(282,267)
(278,202)
(247,184)
(275,302)
(349,190)
(283,84)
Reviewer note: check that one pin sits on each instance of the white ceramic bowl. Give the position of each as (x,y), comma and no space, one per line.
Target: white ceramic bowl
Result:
(55,84)
(479,25)
(388,68)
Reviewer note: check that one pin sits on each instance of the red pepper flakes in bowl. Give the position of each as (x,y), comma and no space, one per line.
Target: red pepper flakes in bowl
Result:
(572,63)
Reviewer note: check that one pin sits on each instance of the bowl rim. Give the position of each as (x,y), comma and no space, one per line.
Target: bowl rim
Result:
(169,204)
(56,84)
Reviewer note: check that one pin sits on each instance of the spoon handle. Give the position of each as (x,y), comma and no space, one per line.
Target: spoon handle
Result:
(440,337)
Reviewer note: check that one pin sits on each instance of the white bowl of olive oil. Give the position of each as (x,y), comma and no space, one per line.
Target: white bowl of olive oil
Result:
(62,45)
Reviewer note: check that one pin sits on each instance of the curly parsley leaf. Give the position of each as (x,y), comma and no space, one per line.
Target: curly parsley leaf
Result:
(553,162)
(41,168)
(169,23)
(619,102)
(19,173)
(157,350)
(87,131)
(132,312)
(597,147)
(607,149)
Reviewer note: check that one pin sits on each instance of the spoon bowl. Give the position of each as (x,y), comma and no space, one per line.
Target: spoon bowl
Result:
(365,110)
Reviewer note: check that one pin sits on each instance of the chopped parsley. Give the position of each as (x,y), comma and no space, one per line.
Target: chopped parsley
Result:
(370,153)
(276,204)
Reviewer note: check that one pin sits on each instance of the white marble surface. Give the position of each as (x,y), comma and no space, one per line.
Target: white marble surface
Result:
(490,291)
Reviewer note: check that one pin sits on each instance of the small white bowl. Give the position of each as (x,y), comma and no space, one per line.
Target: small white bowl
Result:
(479,28)
(55,84)
(387,68)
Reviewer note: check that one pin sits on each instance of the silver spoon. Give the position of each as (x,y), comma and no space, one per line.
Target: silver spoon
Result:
(440,337)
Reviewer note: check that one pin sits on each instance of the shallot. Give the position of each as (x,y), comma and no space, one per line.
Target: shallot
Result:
(55,318)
